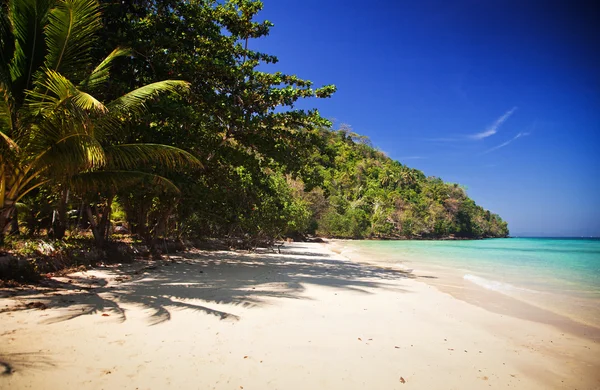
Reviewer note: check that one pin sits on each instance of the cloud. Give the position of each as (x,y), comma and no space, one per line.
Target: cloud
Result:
(516,137)
(494,127)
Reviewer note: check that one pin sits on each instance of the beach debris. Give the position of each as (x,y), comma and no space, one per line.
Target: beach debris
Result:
(105,314)
(359,339)
(245,357)
(402,380)
(36,305)
(397,347)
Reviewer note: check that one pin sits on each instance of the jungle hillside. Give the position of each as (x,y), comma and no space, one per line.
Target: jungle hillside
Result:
(156,120)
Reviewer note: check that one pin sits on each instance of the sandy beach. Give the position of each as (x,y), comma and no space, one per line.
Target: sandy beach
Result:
(307,318)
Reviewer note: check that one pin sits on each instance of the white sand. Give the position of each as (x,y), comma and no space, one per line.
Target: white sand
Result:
(305,319)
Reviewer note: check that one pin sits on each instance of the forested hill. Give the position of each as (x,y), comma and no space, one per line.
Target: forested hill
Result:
(158,119)
(367,194)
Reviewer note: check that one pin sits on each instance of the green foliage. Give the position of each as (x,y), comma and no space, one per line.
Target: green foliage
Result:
(371,195)
(53,132)
(89,140)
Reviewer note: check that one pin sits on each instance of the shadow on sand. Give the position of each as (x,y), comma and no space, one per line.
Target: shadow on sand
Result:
(195,281)
(11,362)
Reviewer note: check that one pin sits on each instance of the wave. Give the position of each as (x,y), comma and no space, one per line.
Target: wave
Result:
(495,285)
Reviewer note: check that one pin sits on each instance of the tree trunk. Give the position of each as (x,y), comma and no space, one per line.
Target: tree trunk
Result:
(105,222)
(60,224)
(5,219)
(14,223)
(98,236)
(158,228)
(99,221)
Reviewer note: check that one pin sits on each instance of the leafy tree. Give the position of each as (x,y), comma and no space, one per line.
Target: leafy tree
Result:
(237,115)
(51,130)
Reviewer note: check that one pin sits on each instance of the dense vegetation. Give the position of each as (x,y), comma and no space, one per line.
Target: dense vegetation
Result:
(157,118)
(366,194)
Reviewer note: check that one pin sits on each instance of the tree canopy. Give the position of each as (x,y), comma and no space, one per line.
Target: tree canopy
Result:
(158,116)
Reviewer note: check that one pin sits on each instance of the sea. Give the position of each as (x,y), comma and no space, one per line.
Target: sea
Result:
(560,275)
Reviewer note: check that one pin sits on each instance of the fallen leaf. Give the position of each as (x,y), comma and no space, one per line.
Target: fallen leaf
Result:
(402,380)
(245,357)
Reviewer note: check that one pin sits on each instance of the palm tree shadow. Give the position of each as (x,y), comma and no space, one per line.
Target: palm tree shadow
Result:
(214,283)
(11,362)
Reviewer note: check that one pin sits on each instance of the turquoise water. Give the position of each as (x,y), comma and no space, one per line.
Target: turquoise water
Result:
(555,273)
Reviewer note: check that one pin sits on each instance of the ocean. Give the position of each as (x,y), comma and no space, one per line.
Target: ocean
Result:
(561,275)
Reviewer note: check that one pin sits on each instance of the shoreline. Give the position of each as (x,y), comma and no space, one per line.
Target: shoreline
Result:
(449,280)
(305,318)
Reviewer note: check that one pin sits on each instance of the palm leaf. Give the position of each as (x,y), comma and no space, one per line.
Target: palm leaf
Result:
(28,19)
(136,156)
(6,113)
(101,73)
(115,180)
(8,147)
(65,147)
(7,43)
(59,91)
(135,101)
(70,36)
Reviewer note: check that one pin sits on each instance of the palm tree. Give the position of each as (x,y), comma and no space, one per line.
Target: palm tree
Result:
(52,129)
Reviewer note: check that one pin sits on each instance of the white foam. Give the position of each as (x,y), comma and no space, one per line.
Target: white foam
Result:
(494,285)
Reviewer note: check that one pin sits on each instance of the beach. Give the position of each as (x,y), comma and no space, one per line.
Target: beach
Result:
(305,318)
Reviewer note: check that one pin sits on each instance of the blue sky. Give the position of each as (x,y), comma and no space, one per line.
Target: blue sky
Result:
(500,96)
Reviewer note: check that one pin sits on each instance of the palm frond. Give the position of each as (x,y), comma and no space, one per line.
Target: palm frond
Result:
(115,180)
(6,113)
(8,147)
(101,73)
(7,43)
(28,18)
(59,90)
(69,155)
(135,101)
(70,35)
(136,156)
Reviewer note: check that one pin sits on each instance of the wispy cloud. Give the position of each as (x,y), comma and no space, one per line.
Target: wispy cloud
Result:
(516,137)
(494,127)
